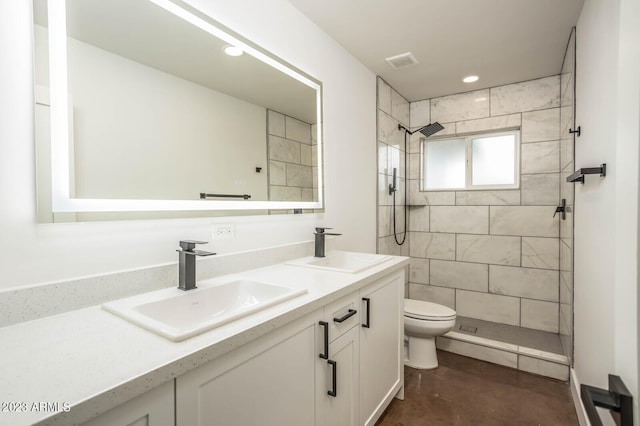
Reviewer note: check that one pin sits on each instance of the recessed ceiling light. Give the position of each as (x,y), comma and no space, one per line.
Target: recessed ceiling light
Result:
(232,50)
(470,79)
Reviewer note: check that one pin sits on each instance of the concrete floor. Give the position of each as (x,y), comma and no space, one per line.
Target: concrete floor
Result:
(465,391)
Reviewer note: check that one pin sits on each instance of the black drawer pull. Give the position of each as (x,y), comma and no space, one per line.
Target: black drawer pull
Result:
(325,355)
(334,374)
(368,302)
(346,316)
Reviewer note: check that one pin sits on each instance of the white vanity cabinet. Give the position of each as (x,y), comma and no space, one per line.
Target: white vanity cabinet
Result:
(270,381)
(340,365)
(153,408)
(381,346)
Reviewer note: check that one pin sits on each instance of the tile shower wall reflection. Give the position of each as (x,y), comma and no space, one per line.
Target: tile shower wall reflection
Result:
(293,159)
(492,255)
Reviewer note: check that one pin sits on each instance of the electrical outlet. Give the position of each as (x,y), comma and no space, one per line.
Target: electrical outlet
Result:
(223,231)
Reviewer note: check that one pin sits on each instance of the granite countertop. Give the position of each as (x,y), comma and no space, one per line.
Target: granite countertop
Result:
(88,361)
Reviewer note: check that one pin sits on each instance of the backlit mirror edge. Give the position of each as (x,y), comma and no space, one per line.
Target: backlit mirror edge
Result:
(60,183)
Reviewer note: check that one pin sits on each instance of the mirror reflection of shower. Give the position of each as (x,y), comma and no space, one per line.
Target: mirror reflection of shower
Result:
(428,130)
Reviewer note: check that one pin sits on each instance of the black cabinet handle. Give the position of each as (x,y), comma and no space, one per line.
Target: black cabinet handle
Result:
(368,302)
(333,392)
(325,324)
(346,316)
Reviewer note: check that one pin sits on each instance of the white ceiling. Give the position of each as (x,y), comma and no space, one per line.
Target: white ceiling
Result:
(502,41)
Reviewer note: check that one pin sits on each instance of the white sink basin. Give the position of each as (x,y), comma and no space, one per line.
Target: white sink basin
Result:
(178,315)
(342,261)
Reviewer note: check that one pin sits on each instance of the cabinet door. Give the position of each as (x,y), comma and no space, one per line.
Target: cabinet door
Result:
(270,381)
(153,408)
(381,339)
(341,408)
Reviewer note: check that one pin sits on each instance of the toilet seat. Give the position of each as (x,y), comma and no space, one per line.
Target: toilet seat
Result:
(421,310)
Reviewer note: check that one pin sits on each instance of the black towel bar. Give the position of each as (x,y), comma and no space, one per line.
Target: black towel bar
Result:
(244,196)
(618,399)
(578,175)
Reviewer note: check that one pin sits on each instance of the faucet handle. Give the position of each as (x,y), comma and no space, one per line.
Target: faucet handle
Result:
(320,230)
(189,245)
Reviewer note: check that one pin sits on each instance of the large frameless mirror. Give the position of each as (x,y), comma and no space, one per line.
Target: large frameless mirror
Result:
(142,109)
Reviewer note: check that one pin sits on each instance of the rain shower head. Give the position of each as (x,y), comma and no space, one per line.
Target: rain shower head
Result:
(431,129)
(428,130)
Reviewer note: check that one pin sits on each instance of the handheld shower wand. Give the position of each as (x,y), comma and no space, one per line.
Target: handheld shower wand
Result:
(392,186)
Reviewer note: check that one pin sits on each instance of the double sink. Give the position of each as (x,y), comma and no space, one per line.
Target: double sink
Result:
(178,315)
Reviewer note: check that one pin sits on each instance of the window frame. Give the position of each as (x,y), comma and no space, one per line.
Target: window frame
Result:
(468,138)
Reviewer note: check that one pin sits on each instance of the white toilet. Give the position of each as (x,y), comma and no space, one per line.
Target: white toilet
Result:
(423,321)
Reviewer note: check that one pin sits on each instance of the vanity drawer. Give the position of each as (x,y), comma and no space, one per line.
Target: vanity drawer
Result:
(340,315)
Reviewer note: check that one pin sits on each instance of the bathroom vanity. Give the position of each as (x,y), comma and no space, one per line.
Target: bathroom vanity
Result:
(332,356)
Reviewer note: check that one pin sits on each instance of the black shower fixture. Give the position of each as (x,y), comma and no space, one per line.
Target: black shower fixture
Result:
(427,130)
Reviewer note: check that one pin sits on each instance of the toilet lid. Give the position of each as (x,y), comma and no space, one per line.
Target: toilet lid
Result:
(426,310)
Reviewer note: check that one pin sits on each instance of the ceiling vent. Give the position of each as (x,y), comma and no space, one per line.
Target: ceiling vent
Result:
(402,61)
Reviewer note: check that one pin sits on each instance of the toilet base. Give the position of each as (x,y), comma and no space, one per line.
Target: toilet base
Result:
(421,353)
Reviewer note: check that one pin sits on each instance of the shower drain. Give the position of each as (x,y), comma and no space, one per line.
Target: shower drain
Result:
(468,329)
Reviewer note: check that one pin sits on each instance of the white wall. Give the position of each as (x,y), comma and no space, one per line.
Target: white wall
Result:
(32,253)
(606,210)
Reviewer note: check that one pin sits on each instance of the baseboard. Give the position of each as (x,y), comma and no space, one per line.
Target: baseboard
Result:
(574,384)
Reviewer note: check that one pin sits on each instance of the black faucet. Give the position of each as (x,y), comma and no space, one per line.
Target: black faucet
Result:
(320,234)
(187,263)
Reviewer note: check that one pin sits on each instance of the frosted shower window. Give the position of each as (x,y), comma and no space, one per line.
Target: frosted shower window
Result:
(445,164)
(488,161)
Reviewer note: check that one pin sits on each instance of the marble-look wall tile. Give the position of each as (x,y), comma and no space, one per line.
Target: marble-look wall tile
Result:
(540,190)
(488,307)
(399,108)
(285,193)
(286,150)
(530,95)
(297,130)
(566,121)
(567,155)
(419,219)
(466,276)
(414,166)
(307,194)
(541,157)
(539,284)
(414,142)
(540,253)
(420,113)
(539,126)
(276,123)
(385,226)
(432,246)
(540,315)
(299,175)
(383,158)
(431,198)
(305,155)
(384,96)
(529,221)
(430,293)
(388,130)
(314,134)
(314,155)
(277,173)
(509,197)
(502,122)
(462,106)
(460,219)
(566,257)
(543,368)
(497,250)
(419,270)
(484,353)
(388,245)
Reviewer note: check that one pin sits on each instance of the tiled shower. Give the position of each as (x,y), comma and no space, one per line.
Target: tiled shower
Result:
(495,256)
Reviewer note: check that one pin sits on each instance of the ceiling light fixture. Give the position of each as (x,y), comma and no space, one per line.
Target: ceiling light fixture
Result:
(232,50)
(470,79)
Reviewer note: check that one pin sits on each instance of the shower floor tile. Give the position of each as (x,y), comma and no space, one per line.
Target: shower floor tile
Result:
(465,391)
(535,339)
